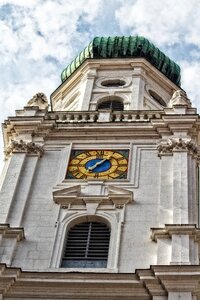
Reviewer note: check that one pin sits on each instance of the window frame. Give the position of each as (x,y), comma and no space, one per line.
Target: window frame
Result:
(85,251)
(72,218)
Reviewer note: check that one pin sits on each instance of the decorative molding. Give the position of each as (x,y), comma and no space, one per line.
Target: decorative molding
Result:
(72,197)
(39,100)
(179,98)
(153,283)
(167,147)
(11,232)
(179,229)
(26,147)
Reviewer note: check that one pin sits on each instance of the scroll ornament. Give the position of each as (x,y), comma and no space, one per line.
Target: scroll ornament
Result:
(179,98)
(39,100)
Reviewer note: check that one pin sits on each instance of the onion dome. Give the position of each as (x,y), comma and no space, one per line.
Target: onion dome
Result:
(125,47)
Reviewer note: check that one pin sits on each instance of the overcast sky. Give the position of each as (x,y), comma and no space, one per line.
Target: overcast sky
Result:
(38,38)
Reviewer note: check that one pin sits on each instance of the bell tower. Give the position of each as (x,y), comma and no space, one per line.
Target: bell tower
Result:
(100,191)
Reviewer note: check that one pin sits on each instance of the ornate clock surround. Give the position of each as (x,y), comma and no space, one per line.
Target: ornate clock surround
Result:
(98,164)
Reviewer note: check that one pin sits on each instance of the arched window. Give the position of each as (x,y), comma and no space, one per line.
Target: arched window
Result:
(111,104)
(86,246)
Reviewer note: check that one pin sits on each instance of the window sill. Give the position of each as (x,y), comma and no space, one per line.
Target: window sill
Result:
(82,270)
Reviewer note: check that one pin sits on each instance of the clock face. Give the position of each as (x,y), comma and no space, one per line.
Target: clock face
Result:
(99,164)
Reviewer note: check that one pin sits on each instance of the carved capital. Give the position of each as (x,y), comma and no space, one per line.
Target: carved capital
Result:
(167,147)
(26,147)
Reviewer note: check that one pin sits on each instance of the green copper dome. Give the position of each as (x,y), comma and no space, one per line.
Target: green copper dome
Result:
(125,47)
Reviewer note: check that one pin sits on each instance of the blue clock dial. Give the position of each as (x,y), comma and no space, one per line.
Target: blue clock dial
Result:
(98,165)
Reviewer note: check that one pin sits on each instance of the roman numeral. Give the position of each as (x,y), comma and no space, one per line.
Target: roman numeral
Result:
(100,154)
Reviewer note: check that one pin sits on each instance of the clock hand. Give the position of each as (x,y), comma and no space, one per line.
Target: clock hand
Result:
(98,163)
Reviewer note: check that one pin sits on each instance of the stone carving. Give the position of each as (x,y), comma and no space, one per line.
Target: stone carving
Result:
(179,98)
(39,100)
(171,145)
(27,147)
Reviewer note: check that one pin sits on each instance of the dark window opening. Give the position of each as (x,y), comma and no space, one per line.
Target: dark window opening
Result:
(87,246)
(157,98)
(111,104)
(113,83)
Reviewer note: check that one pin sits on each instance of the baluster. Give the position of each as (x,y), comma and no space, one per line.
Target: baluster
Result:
(125,117)
(68,117)
(118,117)
(133,117)
(91,117)
(76,118)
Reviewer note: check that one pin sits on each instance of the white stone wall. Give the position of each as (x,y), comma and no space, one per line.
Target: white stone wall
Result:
(34,209)
(84,90)
(31,205)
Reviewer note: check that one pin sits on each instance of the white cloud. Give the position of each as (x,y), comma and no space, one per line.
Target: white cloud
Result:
(38,38)
(190,80)
(168,23)
(47,28)
(165,22)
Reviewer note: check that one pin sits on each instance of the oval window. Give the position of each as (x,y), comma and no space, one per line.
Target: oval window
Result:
(113,83)
(157,98)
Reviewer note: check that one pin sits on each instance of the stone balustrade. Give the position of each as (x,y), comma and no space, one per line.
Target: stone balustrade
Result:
(104,116)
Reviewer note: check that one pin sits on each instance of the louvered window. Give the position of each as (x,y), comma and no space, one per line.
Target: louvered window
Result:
(87,246)
(113,105)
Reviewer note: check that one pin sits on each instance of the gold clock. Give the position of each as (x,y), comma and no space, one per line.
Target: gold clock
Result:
(99,164)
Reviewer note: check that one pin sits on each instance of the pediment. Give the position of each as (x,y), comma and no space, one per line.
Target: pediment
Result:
(73,196)
(69,191)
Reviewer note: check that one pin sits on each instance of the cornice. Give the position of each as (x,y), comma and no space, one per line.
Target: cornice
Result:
(11,232)
(141,285)
(132,124)
(170,229)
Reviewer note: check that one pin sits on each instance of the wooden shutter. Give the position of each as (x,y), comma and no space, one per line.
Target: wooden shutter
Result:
(87,246)
(114,105)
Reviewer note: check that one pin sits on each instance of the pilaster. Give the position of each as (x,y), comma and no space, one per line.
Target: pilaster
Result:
(181,296)
(15,215)
(180,187)
(178,244)
(182,155)
(179,154)
(16,152)
(138,83)
(88,86)
(9,185)
(166,190)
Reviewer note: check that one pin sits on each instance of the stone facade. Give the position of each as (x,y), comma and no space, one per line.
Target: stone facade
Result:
(153,213)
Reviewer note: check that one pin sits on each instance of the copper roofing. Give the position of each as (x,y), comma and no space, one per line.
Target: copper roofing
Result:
(125,47)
